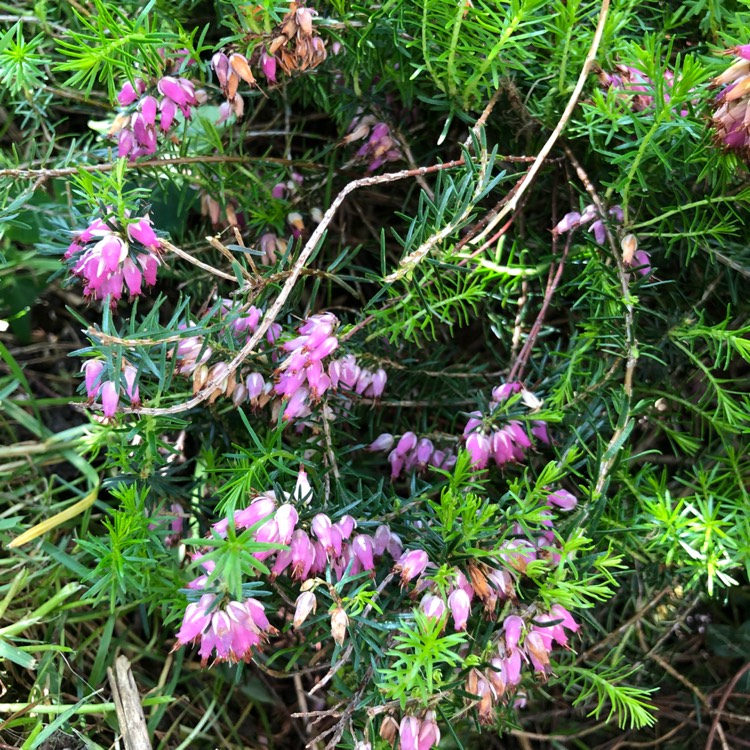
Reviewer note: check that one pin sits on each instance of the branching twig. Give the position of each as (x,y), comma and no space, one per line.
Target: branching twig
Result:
(555,274)
(411,261)
(631,353)
(295,272)
(528,179)
(715,726)
(347,652)
(190,259)
(43,174)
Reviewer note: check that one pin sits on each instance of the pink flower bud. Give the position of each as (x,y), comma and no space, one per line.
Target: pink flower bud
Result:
(328,346)
(433,606)
(92,369)
(281,563)
(562,499)
(257,613)
(383,442)
(559,612)
(286,519)
(407,443)
(460,607)
(505,391)
(131,388)
(143,132)
(258,511)
(379,379)
(569,221)
(297,405)
(642,261)
(321,527)
(254,385)
(268,533)
(362,547)
(225,110)
(129,93)
(409,733)
(478,446)
(148,108)
(395,547)
(220,64)
(397,464)
(167,110)
(540,432)
(303,554)
(110,398)
(518,434)
(380,540)
(173,89)
(513,627)
(268,64)
(349,371)
(346,525)
(513,666)
(112,251)
(195,620)
(364,381)
(125,143)
(599,230)
(429,732)
(424,452)
(411,564)
(141,231)
(133,276)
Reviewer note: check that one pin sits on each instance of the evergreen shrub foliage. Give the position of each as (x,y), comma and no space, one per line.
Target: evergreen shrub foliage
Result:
(375,374)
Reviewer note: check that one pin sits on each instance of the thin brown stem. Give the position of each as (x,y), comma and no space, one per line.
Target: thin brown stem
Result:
(41,175)
(528,179)
(295,272)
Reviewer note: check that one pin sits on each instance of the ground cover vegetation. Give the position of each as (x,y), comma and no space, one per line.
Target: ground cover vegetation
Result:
(374,374)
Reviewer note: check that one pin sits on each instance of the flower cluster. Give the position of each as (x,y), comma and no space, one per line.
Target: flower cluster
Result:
(138,128)
(730,120)
(301,378)
(491,581)
(294,46)
(233,634)
(640,260)
(637,88)
(413,733)
(232,631)
(485,440)
(320,551)
(589,215)
(309,552)
(110,261)
(110,391)
(380,146)
(519,644)
(412,453)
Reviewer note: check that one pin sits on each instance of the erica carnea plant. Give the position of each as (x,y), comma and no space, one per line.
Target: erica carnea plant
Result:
(405,403)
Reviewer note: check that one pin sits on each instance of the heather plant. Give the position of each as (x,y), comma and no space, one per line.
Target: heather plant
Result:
(374,375)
